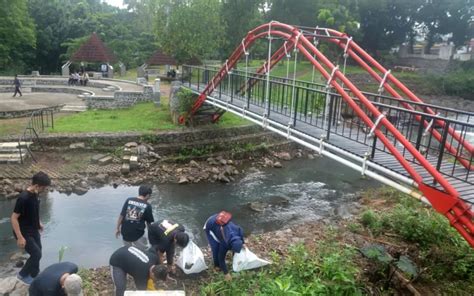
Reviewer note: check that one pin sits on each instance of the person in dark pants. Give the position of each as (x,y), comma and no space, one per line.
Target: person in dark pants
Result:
(143,266)
(57,280)
(223,235)
(164,236)
(131,221)
(17,84)
(27,226)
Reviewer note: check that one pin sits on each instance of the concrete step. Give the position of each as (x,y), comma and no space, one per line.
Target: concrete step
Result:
(13,158)
(74,108)
(7,147)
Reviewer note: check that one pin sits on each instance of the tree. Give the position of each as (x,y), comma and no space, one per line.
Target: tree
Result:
(239,17)
(386,23)
(187,29)
(301,12)
(17,36)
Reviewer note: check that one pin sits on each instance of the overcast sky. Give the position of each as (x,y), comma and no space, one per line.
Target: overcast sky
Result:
(118,3)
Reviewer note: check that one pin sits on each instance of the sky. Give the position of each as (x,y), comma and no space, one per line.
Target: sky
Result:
(118,3)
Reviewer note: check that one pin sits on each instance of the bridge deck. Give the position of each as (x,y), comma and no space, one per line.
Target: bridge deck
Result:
(457,176)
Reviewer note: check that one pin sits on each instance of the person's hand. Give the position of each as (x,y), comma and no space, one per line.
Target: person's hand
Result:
(41,227)
(117,233)
(227,277)
(21,242)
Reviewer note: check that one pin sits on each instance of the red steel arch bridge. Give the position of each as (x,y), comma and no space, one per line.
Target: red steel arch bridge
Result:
(391,135)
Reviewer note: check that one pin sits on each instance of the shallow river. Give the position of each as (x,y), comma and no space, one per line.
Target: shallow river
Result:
(85,224)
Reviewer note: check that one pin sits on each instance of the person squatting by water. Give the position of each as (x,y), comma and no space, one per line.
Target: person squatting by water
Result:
(17,84)
(143,266)
(164,236)
(27,226)
(131,221)
(57,280)
(223,235)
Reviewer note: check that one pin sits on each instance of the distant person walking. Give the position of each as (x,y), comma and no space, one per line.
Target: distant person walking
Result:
(17,84)
(27,225)
(131,221)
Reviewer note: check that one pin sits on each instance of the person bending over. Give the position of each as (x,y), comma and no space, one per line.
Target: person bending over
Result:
(223,235)
(57,280)
(164,236)
(143,266)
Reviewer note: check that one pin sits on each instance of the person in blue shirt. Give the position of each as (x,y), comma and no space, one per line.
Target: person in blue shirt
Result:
(223,235)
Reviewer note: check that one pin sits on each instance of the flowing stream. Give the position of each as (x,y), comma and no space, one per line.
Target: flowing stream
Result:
(303,190)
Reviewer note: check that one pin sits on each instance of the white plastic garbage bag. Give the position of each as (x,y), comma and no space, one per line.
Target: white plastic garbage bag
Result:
(247,260)
(191,259)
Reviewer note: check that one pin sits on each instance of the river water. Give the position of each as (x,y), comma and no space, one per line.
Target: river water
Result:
(85,224)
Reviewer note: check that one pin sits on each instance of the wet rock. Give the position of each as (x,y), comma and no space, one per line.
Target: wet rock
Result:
(7,285)
(235,172)
(229,170)
(193,164)
(283,155)
(80,190)
(19,187)
(125,169)
(279,200)
(101,178)
(268,162)
(77,145)
(256,206)
(18,256)
(7,182)
(277,164)
(223,178)
(142,150)
(183,180)
(215,170)
(223,162)
(298,154)
(131,144)
(154,155)
(310,156)
(191,178)
(97,157)
(211,161)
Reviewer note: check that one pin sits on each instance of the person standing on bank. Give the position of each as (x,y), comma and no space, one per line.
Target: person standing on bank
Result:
(143,266)
(131,221)
(57,280)
(223,235)
(17,84)
(164,236)
(26,225)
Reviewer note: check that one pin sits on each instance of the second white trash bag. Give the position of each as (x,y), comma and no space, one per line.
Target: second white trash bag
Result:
(247,260)
(191,259)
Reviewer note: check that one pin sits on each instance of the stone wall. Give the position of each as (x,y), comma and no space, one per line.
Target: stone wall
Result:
(122,99)
(27,82)
(111,140)
(25,113)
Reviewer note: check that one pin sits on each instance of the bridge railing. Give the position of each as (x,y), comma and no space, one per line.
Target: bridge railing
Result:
(315,105)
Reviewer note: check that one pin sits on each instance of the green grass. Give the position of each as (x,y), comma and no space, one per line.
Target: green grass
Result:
(144,117)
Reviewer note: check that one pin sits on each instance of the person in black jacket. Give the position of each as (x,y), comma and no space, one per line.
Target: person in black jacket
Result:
(141,265)
(27,226)
(57,280)
(164,236)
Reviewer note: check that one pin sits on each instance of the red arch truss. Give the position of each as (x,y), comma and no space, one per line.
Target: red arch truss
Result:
(448,201)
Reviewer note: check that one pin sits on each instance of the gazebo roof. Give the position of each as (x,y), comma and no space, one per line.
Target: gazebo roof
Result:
(93,50)
(159,58)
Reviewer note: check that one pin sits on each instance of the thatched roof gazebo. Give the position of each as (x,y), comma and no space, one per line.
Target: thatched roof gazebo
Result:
(95,51)
(159,59)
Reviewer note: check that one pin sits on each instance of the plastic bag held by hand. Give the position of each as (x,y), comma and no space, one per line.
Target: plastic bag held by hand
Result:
(191,259)
(247,260)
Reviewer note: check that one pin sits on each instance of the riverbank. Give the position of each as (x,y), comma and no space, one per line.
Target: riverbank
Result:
(327,256)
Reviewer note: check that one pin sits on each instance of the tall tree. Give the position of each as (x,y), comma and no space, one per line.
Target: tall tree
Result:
(17,35)
(187,29)
(239,17)
(301,12)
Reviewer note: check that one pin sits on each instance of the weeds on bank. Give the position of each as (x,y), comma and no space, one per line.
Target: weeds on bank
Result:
(442,252)
(87,277)
(328,269)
